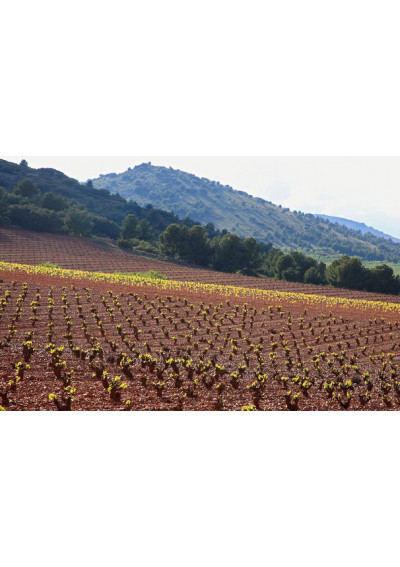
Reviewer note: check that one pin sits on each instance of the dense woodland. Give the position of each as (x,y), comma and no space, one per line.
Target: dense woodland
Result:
(61,205)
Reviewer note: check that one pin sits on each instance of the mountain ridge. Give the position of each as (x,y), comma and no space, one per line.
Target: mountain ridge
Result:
(356,225)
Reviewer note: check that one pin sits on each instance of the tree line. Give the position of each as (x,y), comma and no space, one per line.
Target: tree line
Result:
(347,272)
(223,251)
(230,253)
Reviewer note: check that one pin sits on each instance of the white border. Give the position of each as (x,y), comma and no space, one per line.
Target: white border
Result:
(209,78)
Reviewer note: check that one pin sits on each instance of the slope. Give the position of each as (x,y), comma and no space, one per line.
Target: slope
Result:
(100,255)
(99,202)
(354,225)
(210,202)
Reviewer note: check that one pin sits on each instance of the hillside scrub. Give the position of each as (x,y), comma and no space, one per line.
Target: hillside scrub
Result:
(70,212)
(58,192)
(208,201)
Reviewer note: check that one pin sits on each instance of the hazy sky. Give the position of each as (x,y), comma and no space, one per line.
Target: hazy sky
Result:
(365,189)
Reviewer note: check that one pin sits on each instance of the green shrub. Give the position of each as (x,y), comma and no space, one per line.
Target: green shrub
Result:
(144,246)
(151,274)
(125,244)
(49,265)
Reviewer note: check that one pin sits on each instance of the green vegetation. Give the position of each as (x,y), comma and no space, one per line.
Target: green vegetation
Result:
(394,265)
(358,226)
(38,199)
(208,201)
(78,222)
(49,265)
(225,252)
(352,274)
(129,227)
(344,272)
(26,189)
(150,275)
(294,267)
(65,207)
(32,217)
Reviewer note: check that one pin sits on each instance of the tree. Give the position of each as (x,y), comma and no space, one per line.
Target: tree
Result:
(54,202)
(78,222)
(143,230)
(297,267)
(228,253)
(271,260)
(381,279)
(198,246)
(212,231)
(347,272)
(252,256)
(285,268)
(129,227)
(170,240)
(4,197)
(23,163)
(4,202)
(315,274)
(32,217)
(302,262)
(104,227)
(26,189)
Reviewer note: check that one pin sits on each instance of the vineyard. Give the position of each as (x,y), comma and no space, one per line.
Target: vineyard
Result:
(27,247)
(74,340)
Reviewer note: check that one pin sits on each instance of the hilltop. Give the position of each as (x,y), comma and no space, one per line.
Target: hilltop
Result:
(209,201)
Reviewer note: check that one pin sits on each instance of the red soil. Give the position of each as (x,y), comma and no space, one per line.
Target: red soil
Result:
(27,247)
(212,352)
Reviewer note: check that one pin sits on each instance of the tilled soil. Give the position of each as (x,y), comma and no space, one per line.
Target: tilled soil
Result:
(68,339)
(27,247)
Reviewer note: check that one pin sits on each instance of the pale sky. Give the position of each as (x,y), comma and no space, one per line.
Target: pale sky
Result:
(364,189)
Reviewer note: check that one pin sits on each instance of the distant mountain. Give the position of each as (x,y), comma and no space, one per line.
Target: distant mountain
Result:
(354,225)
(208,201)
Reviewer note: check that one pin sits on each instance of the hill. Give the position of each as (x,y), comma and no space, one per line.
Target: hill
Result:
(99,202)
(210,202)
(354,225)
